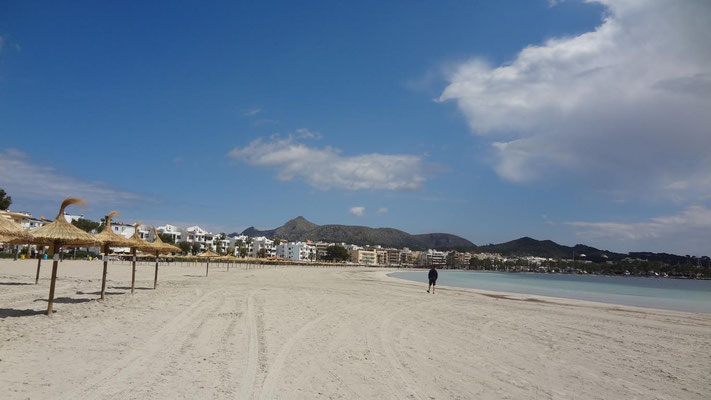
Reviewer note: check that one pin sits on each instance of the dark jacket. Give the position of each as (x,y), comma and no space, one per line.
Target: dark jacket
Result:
(432,275)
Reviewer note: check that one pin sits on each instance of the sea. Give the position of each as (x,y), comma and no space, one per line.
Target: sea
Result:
(665,293)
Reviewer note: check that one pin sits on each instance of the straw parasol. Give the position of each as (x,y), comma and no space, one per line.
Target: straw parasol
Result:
(60,233)
(230,259)
(157,247)
(108,238)
(10,230)
(23,238)
(136,243)
(208,254)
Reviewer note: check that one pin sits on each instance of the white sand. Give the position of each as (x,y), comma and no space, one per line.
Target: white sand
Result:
(288,332)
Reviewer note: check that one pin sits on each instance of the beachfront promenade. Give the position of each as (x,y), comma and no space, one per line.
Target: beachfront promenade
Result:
(329,332)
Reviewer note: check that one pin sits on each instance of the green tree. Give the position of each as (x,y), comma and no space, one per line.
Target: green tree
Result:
(196,248)
(185,247)
(5,200)
(167,238)
(262,253)
(242,251)
(337,253)
(86,225)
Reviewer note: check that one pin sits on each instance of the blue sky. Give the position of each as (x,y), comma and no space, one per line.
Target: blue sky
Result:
(581,122)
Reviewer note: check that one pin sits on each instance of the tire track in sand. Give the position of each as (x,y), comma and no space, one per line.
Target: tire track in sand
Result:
(151,347)
(250,373)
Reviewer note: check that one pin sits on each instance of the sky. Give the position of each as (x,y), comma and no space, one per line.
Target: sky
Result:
(575,121)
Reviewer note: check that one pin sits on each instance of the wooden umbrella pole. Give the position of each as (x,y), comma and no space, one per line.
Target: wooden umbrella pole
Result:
(103,275)
(50,301)
(39,264)
(133,271)
(207,268)
(155,280)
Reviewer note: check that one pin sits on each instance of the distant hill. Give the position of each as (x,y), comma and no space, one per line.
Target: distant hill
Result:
(527,246)
(301,229)
(445,241)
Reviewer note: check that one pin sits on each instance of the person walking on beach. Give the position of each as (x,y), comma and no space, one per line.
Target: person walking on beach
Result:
(433,279)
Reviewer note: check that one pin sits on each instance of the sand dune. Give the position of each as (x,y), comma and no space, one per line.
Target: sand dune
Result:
(311,332)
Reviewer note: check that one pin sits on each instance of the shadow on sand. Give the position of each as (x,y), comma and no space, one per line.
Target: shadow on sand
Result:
(99,293)
(15,283)
(67,300)
(195,276)
(11,312)
(129,288)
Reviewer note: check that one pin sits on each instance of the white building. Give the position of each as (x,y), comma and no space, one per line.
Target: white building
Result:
(195,234)
(296,251)
(433,257)
(259,243)
(171,230)
(71,218)
(239,241)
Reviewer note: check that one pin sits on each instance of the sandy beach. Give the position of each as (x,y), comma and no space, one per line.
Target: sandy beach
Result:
(335,333)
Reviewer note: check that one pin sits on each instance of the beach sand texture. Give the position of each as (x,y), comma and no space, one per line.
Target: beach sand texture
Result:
(332,333)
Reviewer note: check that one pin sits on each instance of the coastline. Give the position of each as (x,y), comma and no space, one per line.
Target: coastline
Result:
(518,296)
(340,332)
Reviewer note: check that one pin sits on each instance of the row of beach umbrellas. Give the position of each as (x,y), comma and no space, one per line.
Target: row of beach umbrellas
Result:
(61,234)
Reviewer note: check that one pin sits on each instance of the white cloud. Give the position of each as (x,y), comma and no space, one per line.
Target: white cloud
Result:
(624,107)
(382,210)
(25,180)
(326,167)
(357,211)
(686,231)
(251,112)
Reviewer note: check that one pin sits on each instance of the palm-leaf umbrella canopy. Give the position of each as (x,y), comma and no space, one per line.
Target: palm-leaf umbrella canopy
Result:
(109,238)
(136,243)
(207,254)
(157,247)
(60,233)
(160,246)
(10,230)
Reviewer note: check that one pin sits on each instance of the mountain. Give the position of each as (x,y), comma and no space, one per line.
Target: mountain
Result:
(527,246)
(301,229)
(445,241)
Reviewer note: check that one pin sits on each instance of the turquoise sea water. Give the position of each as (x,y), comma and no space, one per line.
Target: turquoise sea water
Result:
(671,294)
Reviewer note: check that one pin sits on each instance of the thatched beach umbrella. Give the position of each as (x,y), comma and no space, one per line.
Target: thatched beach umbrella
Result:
(156,247)
(60,233)
(230,260)
(108,238)
(136,243)
(12,233)
(208,254)
(10,230)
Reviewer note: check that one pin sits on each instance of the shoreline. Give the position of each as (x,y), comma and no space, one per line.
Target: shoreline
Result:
(562,301)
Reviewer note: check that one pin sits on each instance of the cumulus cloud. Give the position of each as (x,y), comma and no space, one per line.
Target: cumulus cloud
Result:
(326,167)
(23,179)
(357,211)
(382,210)
(686,232)
(623,107)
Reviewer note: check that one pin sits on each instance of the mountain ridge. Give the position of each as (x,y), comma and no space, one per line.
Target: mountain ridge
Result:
(300,228)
